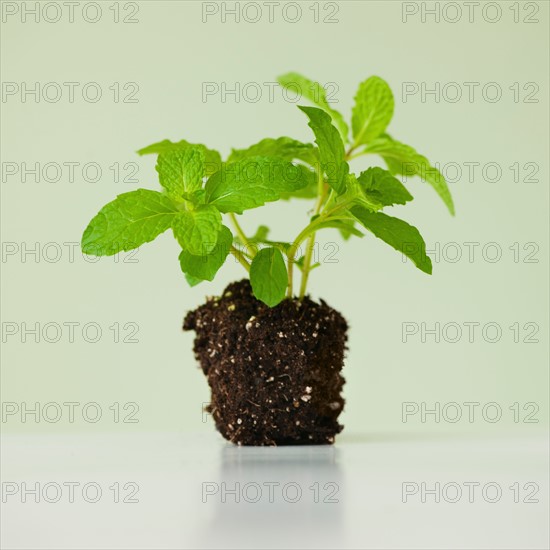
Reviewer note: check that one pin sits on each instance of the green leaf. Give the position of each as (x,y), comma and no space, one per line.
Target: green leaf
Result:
(316,94)
(197,230)
(261,238)
(252,182)
(268,276)
(212,158)
(348,230)
(331,148)
(196,197)
(382,187)
(355,194)
(309,192)
(343,221)
(372,111)
(398,234)
(261,233)
(181,171)
(205,267)
(284,148)
(346,227)
(192,281)
(129,221)
(404,160)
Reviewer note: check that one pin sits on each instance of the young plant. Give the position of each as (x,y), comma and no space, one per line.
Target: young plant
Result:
(199,189)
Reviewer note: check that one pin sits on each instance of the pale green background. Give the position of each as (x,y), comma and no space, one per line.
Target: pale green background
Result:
(169,54)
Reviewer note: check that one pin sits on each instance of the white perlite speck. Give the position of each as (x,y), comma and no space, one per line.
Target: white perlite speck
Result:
(239,421)
(308,389)
(248,325)
(305,398)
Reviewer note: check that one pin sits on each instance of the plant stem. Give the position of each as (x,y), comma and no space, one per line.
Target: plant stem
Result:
(356,155)
(240,256)
(349,152)
(246,243)
(308,229)
(321,194)
(350,155)
(290,258)
(307,265)
(322,212)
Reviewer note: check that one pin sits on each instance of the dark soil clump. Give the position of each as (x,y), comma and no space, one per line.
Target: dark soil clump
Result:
(274,372)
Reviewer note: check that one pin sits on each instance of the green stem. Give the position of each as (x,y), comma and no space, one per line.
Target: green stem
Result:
(307,265)
(290,258)
(244,239)
(337,208)
(240,256)
(323,210)
(356,155)
(330,200)
(349,152)
(350,155)
(321,192)
(308,229)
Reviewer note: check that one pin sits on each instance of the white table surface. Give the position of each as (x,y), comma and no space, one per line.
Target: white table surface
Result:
(180,480)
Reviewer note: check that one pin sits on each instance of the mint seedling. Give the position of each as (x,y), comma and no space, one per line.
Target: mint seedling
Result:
(200,199)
